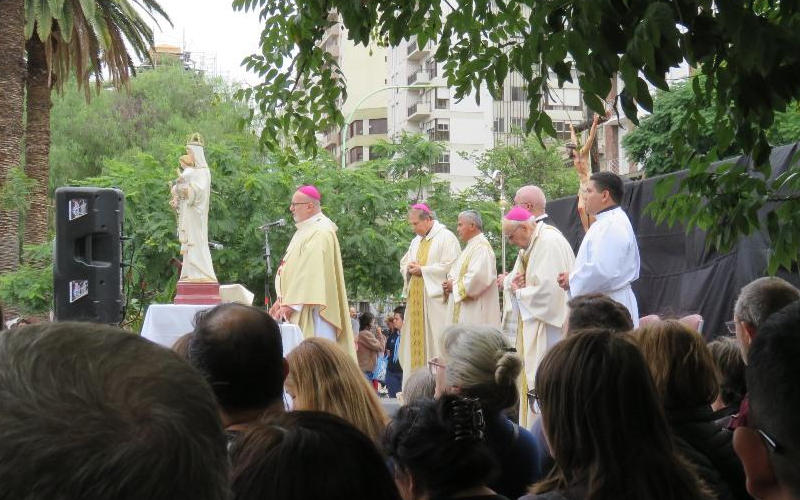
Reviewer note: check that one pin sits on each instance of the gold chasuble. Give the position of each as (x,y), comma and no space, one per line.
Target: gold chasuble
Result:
(475,299)
(416,301)
(310,278)
(541,306)
(426,307)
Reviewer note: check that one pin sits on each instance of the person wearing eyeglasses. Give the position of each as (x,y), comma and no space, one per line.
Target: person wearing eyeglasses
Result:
(536,298)
(310,280)
(605,427)
(476,362)
(769,445)
(687,383)
(756,302)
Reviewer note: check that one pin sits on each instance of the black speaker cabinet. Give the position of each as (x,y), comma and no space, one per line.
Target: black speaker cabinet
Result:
(87,270)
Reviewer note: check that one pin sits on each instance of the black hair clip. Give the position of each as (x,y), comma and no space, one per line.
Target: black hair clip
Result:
(466,415)
(510,349)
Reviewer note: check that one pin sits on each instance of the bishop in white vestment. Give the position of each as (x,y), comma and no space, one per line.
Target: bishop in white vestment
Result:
(471,282)
(608,259)
(424,268)
(540,304)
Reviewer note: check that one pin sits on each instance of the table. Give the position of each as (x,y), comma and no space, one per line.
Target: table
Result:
(165,323)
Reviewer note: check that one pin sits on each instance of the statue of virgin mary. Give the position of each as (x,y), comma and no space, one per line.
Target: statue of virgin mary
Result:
(190,196)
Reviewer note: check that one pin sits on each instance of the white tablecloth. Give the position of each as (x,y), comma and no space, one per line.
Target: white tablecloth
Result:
(164,323)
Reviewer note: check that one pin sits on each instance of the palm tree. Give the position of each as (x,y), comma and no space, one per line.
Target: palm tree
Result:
(12,77)
(84,37)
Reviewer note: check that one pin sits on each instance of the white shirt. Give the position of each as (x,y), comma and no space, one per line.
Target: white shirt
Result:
(608,261)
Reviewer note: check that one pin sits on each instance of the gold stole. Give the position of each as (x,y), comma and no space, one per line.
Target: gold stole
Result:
(523,389)
(461,288)
(416,306)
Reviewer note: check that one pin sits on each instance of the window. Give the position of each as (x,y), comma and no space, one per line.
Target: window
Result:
(499,125)
(377,126)
(518,94)
(356,154)
(442,103)
(567,99)
(439,132)
(442,165)
(430,67)
(356,128)
(562,130)
(517,125)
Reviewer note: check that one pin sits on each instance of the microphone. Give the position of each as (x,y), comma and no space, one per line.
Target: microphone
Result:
(279,222)
(214,245)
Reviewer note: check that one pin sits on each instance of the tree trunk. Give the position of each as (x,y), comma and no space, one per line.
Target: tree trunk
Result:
(12,78)
(37,142)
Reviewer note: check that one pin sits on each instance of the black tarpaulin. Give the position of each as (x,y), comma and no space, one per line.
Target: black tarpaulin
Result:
(679,274)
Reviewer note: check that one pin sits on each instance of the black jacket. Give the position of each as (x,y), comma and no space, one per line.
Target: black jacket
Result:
(709,448)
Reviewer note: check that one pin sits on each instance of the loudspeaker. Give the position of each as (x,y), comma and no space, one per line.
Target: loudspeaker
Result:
(87,270)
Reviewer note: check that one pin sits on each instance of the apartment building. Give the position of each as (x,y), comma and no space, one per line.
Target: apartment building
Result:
(364,70)
(427,107)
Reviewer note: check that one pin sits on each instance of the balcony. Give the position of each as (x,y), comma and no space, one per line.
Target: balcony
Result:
(419,77)
(439,135)
(332,49)
(419,111)
(331,139)
(415,53)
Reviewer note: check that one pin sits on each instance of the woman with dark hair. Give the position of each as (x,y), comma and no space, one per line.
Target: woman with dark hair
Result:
(438,451)
(477,362)
(605,427)
(370,343)
(687,383)
(308,455)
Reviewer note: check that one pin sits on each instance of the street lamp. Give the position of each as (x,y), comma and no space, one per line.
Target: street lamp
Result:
(359,103)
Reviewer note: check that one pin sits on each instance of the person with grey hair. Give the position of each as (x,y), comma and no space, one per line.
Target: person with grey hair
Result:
(756,302)
(470,285)
(420,385)
(93,412)
(539,304)
(424,267)
(477,362)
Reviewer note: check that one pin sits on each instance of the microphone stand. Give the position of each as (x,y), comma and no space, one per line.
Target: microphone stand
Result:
(268,259)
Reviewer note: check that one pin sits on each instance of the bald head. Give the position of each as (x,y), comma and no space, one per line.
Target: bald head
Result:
(531,198)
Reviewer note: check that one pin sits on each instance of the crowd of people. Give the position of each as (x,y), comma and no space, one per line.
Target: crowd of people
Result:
(94,412)
(586,403)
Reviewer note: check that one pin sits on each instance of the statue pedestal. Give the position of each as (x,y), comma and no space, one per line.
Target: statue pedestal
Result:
(197,293)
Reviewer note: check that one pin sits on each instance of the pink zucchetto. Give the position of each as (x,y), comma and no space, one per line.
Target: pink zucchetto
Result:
(310,191)
(518,214)
(421,207)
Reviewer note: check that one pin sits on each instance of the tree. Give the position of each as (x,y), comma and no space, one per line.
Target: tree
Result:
(410,156)
(528,163)
(12,75)
(749,53)
(132,140)
(650,144)
(80,37)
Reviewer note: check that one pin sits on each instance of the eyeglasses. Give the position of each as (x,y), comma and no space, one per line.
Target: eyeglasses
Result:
(533,399)
(770,441)
(436,366)
(731,326)
(292,204)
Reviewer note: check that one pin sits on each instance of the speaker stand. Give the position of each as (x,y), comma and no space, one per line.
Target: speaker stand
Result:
(197,293)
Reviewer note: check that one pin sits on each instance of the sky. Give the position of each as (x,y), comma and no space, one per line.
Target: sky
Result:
(217,36)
